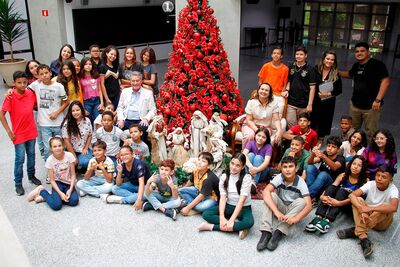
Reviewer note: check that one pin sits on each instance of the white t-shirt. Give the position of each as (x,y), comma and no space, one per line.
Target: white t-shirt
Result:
(345,147)
(61,168)
(108,166)
(78,143)
(48,100)
(112,139)
(231,191)
(375,197)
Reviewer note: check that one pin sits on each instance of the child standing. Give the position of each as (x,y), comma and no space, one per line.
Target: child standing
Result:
(103,168)
(201,192)
(335,197)
(61,170)
(234,211)
(150,80)
(276,74)
(110,74)
(258,154)
(89,80)
(140,149)
(94,51)
(129,184)
(375,211)
(287,202)
(332,164)
(162,190)
(301,87)
(23,133)
(111,135)
(69,79)
(51,101)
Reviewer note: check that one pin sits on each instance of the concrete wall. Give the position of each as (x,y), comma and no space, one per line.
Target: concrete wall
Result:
(227,13)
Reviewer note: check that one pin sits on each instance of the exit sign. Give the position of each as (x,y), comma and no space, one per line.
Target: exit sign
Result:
(45,12)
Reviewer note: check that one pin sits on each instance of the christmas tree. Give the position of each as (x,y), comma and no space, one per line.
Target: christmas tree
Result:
(198,76)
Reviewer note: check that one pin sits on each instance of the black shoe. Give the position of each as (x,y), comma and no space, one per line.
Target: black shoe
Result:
(253,189)
(274,241)
(19,190)
(265,237)
(346,233)
(147,206)
(170,213)
(35,180)
(366,246)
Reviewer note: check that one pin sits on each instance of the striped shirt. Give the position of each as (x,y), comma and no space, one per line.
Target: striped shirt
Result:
(289,192)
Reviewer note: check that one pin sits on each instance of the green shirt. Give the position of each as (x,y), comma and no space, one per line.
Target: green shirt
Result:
(301,161)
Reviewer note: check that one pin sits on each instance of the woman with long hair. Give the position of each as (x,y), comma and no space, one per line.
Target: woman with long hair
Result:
(110,75)
(66,52)
(129,65)
(328,86)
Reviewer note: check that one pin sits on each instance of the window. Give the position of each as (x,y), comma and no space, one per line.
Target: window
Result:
(344,24)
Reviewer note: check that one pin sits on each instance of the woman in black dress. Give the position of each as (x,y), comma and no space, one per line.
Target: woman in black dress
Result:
(328,86)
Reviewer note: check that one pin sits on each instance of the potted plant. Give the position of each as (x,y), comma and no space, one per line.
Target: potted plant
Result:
(12,29)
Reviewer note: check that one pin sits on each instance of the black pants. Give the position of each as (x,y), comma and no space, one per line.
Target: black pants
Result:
(330,212)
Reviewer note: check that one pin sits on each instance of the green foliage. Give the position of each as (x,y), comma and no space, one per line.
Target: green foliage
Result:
(180,174)
(12,27)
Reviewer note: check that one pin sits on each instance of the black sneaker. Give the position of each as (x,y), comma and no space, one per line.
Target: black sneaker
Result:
(170,213)
(265,237)
(35,180)
(19,190)
(311,227)
(147,206)
(346,233)
(366,246)
(274,241)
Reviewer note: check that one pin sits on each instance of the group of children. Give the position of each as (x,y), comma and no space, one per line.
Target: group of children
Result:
(119,175)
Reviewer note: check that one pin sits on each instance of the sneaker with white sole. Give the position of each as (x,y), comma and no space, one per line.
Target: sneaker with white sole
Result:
(82,194)
(113,199)
(170,213)
(35,192)
(47,180)
(147,206)
(103,197)
(323,226)
(311,227)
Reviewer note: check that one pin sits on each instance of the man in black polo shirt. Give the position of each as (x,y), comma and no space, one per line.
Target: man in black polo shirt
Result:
(301,87)
(370,84)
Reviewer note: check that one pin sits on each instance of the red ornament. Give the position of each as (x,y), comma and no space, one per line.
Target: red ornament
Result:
(200,82)
(167,111)
(197,36)
(223,117)
(225,97)
(192,107)
(199,55)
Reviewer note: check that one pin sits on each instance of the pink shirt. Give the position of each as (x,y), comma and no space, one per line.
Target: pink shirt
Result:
(20,108)
(90,87)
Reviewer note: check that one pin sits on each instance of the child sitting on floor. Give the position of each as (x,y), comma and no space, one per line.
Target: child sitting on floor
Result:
(130,181)
(258,154)
(346,127)
(335,198)
(303,129)
(103,168)
(287,202)
(376,211)
(297,151)
(98,121)
(234,211)
(140,149)
(161,190)
(332,164)
(201,192)
(61,170)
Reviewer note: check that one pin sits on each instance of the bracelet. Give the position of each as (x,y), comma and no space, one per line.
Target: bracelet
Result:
(377,100)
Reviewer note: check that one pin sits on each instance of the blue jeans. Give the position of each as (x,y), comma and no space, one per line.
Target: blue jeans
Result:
(39,139)
(128,192)
(27,147)
(317,181)
(54,200)
(47,133)
(157,201)
(257,160)
(95,186)
(190,193)
(91,106)
(83,160)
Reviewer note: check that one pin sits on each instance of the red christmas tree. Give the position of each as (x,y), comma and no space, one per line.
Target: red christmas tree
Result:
(199,76)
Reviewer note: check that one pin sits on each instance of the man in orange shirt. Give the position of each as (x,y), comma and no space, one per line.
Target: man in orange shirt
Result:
(276,74)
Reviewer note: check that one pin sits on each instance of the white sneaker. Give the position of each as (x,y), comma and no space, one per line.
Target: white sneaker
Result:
(47,180)
(82,194)
(103,197)
(114,199)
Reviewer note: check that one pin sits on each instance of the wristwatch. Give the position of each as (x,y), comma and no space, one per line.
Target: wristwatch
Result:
(377,100)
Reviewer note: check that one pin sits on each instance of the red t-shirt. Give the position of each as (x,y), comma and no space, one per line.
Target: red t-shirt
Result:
(311,136)
(20,108)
